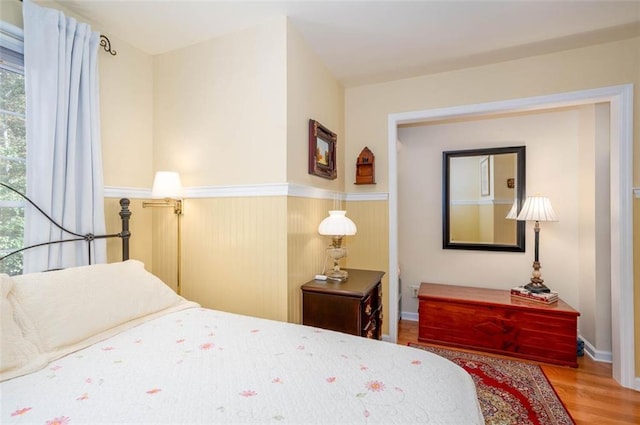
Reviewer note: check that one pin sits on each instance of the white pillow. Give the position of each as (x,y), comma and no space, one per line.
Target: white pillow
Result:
(15,350)
(68,306)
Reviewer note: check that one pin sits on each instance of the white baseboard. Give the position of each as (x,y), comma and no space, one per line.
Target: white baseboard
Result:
(408,315)
(595,354)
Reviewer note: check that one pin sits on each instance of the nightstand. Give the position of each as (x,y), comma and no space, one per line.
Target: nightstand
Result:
(353,306)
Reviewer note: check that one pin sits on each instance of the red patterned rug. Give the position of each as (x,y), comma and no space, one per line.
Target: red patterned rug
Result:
(509,391)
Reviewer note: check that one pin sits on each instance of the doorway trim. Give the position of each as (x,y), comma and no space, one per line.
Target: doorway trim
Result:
(621,179)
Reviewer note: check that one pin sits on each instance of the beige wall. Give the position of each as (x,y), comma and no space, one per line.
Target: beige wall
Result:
(367,109)
(126,114)
(220,109)
(11,12)
(312,93)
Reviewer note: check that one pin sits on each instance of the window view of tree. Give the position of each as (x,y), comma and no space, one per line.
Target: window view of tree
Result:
(13,153)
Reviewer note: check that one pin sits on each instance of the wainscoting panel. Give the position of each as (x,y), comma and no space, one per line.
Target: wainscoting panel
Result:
(234,255)
(306,249)
(369,248)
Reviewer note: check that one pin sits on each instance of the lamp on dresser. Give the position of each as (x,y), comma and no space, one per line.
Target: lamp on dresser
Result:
(337,226)
(536,208)
(167,192)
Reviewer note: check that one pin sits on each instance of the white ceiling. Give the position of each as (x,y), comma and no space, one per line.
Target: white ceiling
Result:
(372,41)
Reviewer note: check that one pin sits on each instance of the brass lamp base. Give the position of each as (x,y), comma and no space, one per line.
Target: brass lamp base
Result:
(536,285)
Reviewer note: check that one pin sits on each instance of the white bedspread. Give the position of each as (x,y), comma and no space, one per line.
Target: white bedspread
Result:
(206,366)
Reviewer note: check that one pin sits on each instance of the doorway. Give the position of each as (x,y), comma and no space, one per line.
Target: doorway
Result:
(621,148)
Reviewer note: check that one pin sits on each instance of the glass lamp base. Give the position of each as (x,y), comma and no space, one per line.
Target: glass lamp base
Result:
(337,275)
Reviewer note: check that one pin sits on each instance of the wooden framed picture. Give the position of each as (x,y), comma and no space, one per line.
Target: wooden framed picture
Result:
(484,177)
(322,151)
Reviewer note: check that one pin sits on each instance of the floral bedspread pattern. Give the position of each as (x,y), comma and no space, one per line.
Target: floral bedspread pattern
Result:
(207,366)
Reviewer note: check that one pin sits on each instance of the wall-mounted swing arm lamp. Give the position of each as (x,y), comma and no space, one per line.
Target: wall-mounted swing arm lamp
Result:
(167,191)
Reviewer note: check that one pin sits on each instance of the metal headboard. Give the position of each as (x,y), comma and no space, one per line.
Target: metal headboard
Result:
(125,215)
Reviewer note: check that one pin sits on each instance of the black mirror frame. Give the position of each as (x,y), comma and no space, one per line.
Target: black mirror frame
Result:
(520,151)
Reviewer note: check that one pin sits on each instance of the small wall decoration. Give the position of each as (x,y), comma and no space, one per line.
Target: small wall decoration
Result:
(322,151)
(366,167)
(511,183)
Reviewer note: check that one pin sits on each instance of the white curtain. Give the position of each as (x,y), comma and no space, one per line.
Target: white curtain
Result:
(64,157)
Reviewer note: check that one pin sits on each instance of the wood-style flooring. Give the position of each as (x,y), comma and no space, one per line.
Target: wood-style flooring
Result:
(588,391)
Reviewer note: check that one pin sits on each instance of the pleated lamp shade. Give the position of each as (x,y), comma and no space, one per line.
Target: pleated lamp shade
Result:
(537,208)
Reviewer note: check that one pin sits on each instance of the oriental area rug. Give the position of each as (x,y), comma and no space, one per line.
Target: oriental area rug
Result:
(510,392)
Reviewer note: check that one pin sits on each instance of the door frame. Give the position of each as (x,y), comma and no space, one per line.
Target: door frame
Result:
(621,180)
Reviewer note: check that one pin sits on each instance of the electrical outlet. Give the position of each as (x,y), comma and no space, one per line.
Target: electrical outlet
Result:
(415,289)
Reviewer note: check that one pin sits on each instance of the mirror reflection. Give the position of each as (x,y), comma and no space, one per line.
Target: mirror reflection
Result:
(481,188)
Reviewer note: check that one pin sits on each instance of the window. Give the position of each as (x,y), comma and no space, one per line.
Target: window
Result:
(13,147)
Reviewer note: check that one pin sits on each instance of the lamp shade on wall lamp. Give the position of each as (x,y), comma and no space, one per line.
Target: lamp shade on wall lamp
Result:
(167,184)
(168,188)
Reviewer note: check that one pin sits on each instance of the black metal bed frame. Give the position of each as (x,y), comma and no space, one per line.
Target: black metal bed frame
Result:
(125,234)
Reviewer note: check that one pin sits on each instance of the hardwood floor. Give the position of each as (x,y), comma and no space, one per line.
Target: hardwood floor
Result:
(588,391)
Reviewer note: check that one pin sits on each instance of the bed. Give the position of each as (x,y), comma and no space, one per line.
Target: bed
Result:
(112,344)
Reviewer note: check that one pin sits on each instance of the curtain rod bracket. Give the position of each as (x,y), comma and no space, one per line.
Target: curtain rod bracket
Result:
(105,43)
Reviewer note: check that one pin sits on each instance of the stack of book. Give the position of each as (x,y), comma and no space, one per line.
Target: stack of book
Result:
(521,292)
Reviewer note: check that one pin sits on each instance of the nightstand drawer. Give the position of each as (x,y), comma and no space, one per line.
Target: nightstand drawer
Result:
(371,329)
(368,308)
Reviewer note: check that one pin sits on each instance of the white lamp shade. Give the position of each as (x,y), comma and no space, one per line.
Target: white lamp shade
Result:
(337,224)
(537,208)
(166,184)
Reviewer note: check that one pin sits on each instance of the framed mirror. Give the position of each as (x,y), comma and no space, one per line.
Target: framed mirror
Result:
(480,188)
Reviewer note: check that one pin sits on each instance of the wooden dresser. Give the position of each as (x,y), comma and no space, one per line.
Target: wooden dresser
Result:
(353,306)
(490,320)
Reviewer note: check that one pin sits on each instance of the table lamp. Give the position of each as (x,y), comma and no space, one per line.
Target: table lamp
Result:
(537,208)
(337,226)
